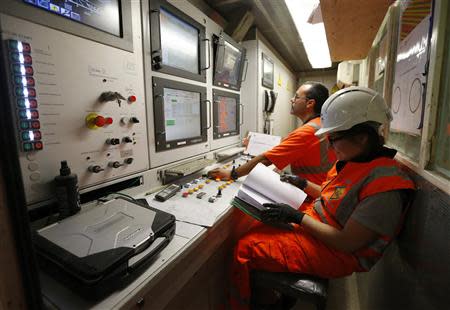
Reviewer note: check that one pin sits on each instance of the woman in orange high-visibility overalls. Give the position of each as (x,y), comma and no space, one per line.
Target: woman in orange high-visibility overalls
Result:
(358,211)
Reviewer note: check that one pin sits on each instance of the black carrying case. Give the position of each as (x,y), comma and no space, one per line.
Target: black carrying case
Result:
(94,276)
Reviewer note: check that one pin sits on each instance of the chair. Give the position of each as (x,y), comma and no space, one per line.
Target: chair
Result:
(293,286)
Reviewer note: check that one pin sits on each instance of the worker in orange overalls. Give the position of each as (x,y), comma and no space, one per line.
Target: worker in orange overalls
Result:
(307,154)
(359,208)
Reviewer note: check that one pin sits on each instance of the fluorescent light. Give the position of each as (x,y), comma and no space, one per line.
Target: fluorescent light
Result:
(312,35)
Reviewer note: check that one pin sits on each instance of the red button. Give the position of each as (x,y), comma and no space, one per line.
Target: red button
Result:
(99,121)
(34,114)
(38,145)
(33,103)
(31,92)
(109,120)
(26,47)
(132,99)
(37,135)
(35,124)
(29,70)
(27,59)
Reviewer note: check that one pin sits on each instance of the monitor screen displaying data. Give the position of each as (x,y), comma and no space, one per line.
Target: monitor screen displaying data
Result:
(100,14)
(179,43)
(229,70)
(182,117)
(227,118)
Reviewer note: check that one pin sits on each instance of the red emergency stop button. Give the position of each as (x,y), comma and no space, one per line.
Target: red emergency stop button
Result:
(108,121)
(99,121)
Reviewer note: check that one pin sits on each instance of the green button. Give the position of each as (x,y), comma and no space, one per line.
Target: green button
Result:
(27,147)
(19,91)
(21,102)
(13,44)
(24,125)
(25,135)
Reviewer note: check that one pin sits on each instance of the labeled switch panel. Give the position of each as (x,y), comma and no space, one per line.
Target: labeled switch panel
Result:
(73,103)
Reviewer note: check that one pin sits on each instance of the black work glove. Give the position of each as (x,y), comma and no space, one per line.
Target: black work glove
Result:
(294,180)
(280,213)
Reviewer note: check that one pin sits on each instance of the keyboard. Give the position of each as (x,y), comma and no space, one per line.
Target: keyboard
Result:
(229,152)
(190,167)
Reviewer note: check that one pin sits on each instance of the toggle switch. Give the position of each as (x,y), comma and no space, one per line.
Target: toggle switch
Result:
(127,140)
(113,141)
(128,161)
(115,164)
(134,120)
(95,168)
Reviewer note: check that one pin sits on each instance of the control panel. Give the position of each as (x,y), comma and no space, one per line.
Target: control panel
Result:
(75,100)
(198,199)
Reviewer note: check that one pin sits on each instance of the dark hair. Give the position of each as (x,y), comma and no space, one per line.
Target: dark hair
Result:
(318,92)
(375,141)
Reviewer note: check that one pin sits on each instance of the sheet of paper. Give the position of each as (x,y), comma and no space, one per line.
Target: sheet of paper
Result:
(260,143)
(267,182)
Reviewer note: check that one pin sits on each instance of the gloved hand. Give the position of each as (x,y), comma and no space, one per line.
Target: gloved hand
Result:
(280,213)
(294,180)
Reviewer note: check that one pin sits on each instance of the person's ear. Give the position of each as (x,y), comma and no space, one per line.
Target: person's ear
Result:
(311,103)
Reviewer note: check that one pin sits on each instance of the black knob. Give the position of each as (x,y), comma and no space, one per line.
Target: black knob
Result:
(95,169)
(129,160)
(115,164)
(127,140)
(134,120)
(219,193)
(113,141)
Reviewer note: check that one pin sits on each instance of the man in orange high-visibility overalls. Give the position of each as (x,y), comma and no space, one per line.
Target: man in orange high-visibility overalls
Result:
(307,154)
(358,212)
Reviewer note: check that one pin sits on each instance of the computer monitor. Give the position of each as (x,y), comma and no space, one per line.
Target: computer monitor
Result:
(177,42)
(229,60)
(103,15)
(104,21)
(226,114)
(179,114)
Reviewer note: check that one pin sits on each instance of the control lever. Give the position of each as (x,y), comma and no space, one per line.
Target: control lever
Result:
(95,168)
(111,96)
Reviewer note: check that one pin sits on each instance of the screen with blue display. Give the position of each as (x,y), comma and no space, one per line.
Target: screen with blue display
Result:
(100,14)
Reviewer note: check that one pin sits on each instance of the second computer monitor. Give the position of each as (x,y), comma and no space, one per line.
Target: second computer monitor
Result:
(226,114)
(179,114)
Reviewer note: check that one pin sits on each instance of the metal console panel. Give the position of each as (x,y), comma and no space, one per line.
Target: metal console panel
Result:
(90,107)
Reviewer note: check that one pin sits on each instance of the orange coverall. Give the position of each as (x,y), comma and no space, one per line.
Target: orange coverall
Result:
(276,250)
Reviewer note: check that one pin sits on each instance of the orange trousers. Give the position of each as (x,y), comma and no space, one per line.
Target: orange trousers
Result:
(276,250)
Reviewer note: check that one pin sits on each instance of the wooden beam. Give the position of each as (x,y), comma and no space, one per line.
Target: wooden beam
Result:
(351,26)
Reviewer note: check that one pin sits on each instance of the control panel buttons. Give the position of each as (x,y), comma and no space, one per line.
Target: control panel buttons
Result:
(19,46)
(28,114)
(94,121)
(35,176)
(125,120)
(33,166)
(26,103)
(38,145)
(132,99)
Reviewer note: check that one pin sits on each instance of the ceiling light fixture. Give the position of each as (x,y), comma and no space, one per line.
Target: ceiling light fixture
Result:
(305,14)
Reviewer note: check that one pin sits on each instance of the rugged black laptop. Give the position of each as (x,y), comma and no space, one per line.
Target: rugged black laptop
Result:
(104,248)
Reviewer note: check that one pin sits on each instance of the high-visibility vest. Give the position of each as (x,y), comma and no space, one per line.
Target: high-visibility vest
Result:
(311,169)
(342,192)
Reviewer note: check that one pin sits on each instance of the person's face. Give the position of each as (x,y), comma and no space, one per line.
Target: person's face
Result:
(300,103)
(347,147)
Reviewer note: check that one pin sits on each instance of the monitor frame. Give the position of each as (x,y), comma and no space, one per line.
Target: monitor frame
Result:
(155,42)
(218,41)
(20,9)
(216,133)
(161,143)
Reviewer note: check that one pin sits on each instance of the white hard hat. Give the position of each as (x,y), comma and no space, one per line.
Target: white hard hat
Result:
(351,106)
